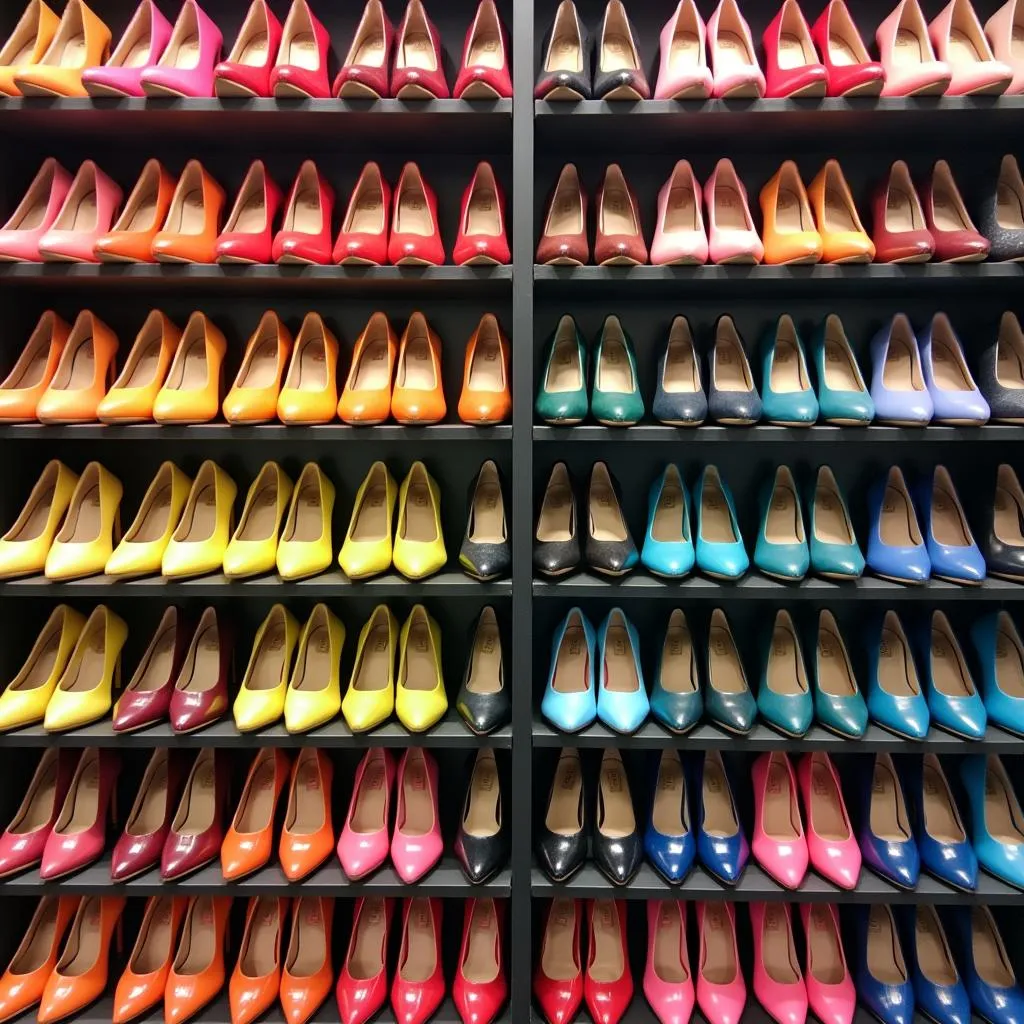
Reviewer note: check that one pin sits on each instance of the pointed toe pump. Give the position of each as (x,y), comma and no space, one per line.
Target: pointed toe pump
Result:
(35,214)
(301,70)
(248,841)
(482,844)
(419,549)
(680,236)
(615,842)
(1001,31)
(556,539)
(307,834)
(727,697)
(480,989)
(309,394)
(140,989)
(200,694)
(567,72)
(486,551)
(911,67)
(778,981)
(784,693)
(140,47)
(418,72)
(668,983)
(896,549)
(952,551)
(1000,654)
(570,697)
(486,397)
(900,231)
(483,699)
(676,700)
(186,65)
(85,371)
(201,537)
(367,548)
(831,844)
(843,398)
(563,835)
(721,843)
(835,553)
(367,393)
(363,238)
(997,822)
(988,973)
(91,528)
(956,399)
(306,975)
(363,844)
(622,702)
(733,398)
(942,842)
(416,844)
(619,74)
(260,698)
(418,988)
(252,550)
(248,233)
(306,547)
(305,233)
(883,981)
(562,394)
(482,239)
(247,68)
(608,546)
(1002,215)
(721,991)
(26,44)
(198,972)
(781,550)
(734,66)
(1004,542)
(788,400)
(850,69)
(886,839)
(81,41)
(146,699)
(254,395)
(668,838)
(132,396)
(679,398)
(417,397)
(779,843)
(789,232)
(938,987)
(615,399)
(370,697)
(197,830)
(420,696)
(607,980)
(86,215)
(362,988)
(683,72)
(831,995)
(956,238)
(843,238)
(194,218)
(719,548)
(668,543)
(25,546)
(896,700)
(564,240)
(33,371)
(191,392)
(792,67)
(898,389)
(415,239)
(1000,373)
(130,239)
(960,42)
(138,848)
(839,705)
(313,697)
(618,239)
(364,71)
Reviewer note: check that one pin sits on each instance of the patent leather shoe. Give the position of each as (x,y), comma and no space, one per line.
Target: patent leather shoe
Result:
(570,697)
(608,546)
(886,839)
(676,700)
(615,842)
(883,982)
(999,654)
(896,700)
(563,835)
(939,992)
(954,703)
(622,702)
(721,843)
(988,974)
(727,697)
(668,838)
(997,832)
(1004,540)
(483,843)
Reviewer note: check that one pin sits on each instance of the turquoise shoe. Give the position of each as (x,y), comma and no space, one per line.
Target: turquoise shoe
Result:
(668,543)
(835,553)
(843,397)
(562,395)
(787,397)
(781,549)
(616,400)
(839,705)
(896,700)
(719,546)
(1001,659)
(727,697)
(676,700)
(784,696)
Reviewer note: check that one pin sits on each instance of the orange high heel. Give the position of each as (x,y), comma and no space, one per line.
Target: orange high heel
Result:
(254,394)
(307,977)
(191,393)
(133,394)
(81,41)
(486,398)
(790,234)
(366,398)
(35,368)
(198,973)
(418,395)
(189,234)
(26,45)
(249,841)
(256,979)
(130,240)
(307,838)
(310,392)
(80,976)
(85,370)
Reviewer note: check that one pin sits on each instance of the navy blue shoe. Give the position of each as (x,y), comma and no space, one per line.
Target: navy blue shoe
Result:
(721,846)
(996,997)
(668,839)
(939,992)
(954,703)
(944,848)
(886,840)
(879,964)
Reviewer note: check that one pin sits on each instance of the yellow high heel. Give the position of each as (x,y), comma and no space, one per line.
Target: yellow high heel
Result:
(419,543)
(420,699)
(260,700)
(366,550)
(24,547)
(92,526)
(84,693)
(370,697)
(198,543)
(24,701)
(253,549)
(314,690)
(142,548)
(305,546)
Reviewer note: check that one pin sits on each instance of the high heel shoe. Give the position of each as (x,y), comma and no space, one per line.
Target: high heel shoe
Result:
(419,549)
(898,390)
(778,981)
(141,46)
(719,548)
(24,547)
(255,392)
(668,837)
(484,73)
(1001,31)
(248,233)
(195,382)
(615,842)
(483,700)
(367,395)
(418,72)
(416,844)
(305,547)
(621,694)
(313,696)
(310,391)
(956,399)
(988,974)
(843,238)
(132,396)
(789,232)
(305,234)
(733,62)
(721,843)
(1000,372)
(956,238)
(883,983)
(792,68)
(363,239)
(960,41)
(81,41)
(843,397)
(249,840)
(363,844)
(415,238)
(362,986)
(482,239)
(779,843)
(1000,656)
(895,699)
(201,537)
(831,844)
(35,214)
(566,72)
(486,397)
(483,844)
(563,835)
(668,543)
(301,68)
(781,550)
(997,832)
(556,539)
(418,394)
(900,231)
(26,44)
(141,987)
(570,697)
(896,549)
(727,697)
(683,72)
(480,988)
(668,983)
(256,979)
(418,987)
(420,696)
(679,235)
(615,399)
(364,71)
(367,548)
(370,697)
(886,839)
(186,66)
(788,400)
(260,698)
(197,830)
(307,976)
(562,394)
(1004,540)
(252,549)
(784,694)
(189,234)
(563,239)
(676,700)
(911,67)
(619,74)
(247,68)
(197,974)
(953,554)
(732,237)
(307,834)
(130,239)
(608,546)
(558,976)
(850,71)
(85,371)
(92,526)
(30,376)
(938,988)
(607,980)
(200,694)
(486,551)
(839,705)
(618,238)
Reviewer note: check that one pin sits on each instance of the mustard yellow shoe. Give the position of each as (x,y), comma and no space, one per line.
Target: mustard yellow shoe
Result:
(305,548)
(92,526)
(420,699)
(314,690)
(198,544)
(24,547)
(260,700)
(24,701)
(252,551)
(370,697)
(366,550)
(84,693)
(142,548)
(419,543)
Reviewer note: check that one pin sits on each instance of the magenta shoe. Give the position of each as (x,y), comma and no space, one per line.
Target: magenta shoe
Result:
(721,991)
(778,981)
(668,984)
(246,71)
(363,844)
(141,46)
(19,237)
(23,841)
(779,843)
(74,844)
(833,850)
(301,69)
(416,845)
(830,994)
(89,210)
(186,66)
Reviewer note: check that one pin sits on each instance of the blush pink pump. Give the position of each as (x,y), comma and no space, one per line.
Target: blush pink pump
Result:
(35,214)
(363,844)
(679,236)
(830,991)
(732,237)
(89,210)
(141,46)
(778,843)
(1004,30)
(186,66)
(833,850)
(960,41)
(668,984)
(911,67)
(416,845)
(734,68)
(778,981)
(721,991)
(683,73)
(246,69)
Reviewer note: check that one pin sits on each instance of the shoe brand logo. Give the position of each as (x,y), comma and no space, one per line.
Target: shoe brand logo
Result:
(488,645)
(826,648)
(416,778)
(275,641)
(885,649)
(311,780)
(820,783)
(613,780)
(720,647)
(1002,647)
(772,919)
(323,644)
(570,777)
(374,777)
(878,784)
(825,502)
(786,201)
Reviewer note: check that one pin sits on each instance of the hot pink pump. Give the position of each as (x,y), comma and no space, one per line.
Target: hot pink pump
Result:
(186,65)
(668,984)
(141,46)
(779,843)
(778,981)
(363,844)
(88,212)
(721,991)
(830,991)
(679,236)
(416,845)
(19,237)
(831,845)
(684,73)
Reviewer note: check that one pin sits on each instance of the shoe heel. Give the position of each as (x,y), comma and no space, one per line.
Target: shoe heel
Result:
(119,936)
(113,805)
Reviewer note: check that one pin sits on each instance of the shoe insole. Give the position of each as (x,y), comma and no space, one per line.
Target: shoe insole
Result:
(838,214)
(824,953)
(420,667)
(150,810)
(685,52)
(366,955)
(420,946)
(198,805)
(487,519)
(947,213)
(783,523)
(716,522)
(36,946)
(884,956)
(564,813)
(269,665)
(791,213)
(199,943)
(140,212)
(259,955)
(840,371)
(606,522)
(1007,520)
(419,524)
(482,815)
(780,816)
(617,213)
(42,659)
(725,672)
(256,811)
(485,675)
(260,519)
(731,371)
(305,215)
(260,370)
(606,960)
(1002,818)
(483,216)
(677,663)
(777,950)
(564,50)
(901,209)
(788,374)
(78,371)
(375,661)
(253,52)
(831,525)
(37,808)
(615,819)
(617,52)
(614,373)
(896,673)
(949,673)
(795,51)
(154,947)
(555,524)
(187,216)
(200,520)
(670,955)
(572,664)
(669,807)
(826,812)
(142,370)
(372,371)
(669,526)
(183,55)
(733,55)
(558,955)
(480,966)
(416,367)
(306,524)
(368,48)
(31,211)
(565,217)
(22,41)
(313,668)
(888,813)
(153,519)
(940,818)
(990,959)
(30,368)
(719,813)
(835,675)
(190,370)
(485,46)
(948,369)
(81,807)
(412,215)
(1009,362)
(417,51)
(202,665)
(307,950)
(909,48)
(1009,662)
(962,49)
(718,946)
(84,944)
(85,671)
(784,672)
(620,660)
(78,213)
(681,374)
(306,814)
(371,517)
(898,523)
(1010,206)
(486,372)
(309,370)
(34,519)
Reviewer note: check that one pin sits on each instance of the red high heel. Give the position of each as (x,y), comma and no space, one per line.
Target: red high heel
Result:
(305,235)
(803,74)
(415,236)
(481,987)
(482,238)
(301,68)
(484,74)
(364,74)
(559,995)
(248,236)
(362,994)
(418,72)
(855,74)
(246,71)
(197,831)
(364,231)
(607,997)
(416,1001)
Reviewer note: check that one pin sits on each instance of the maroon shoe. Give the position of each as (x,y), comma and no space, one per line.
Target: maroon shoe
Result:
(619,239)
(146,830)
(200,693)
(197,831)
(957,240)
(900,233)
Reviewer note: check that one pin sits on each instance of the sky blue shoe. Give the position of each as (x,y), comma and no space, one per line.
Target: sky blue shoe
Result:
(781,550)
(953,700)
(719,544)
(787,397)
(668,542)
(835,553)
(999,841)
(1000,652)
(570,697)
(621,695)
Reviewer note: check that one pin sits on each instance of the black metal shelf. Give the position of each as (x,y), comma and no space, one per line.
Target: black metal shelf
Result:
(753,588)
(446,879)
(820,434)
(755,885)
(450,733)
(652,736)
(445,584)
(333,433)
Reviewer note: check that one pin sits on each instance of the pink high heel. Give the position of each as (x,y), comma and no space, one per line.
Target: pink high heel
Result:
(832,1000)
(186,66)
(960,41)
(833,852)
(679,236)
(19,237)
(734,66)
(778,981)
(911,67)
(141,46)
(671,997)
(88,212)
(684,73)
(721,1002)
(1003,30)
(779,843)
(363,844)
(732,237)
(416,845)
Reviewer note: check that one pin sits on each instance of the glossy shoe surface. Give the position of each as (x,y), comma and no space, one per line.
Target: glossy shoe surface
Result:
(779,843)
(420,696)
(370,697)
(669,841)
(363,845)
(307,836)
(896,548)
(941,838)
(831,844)
(248,842)
(895,697)
(886,838)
